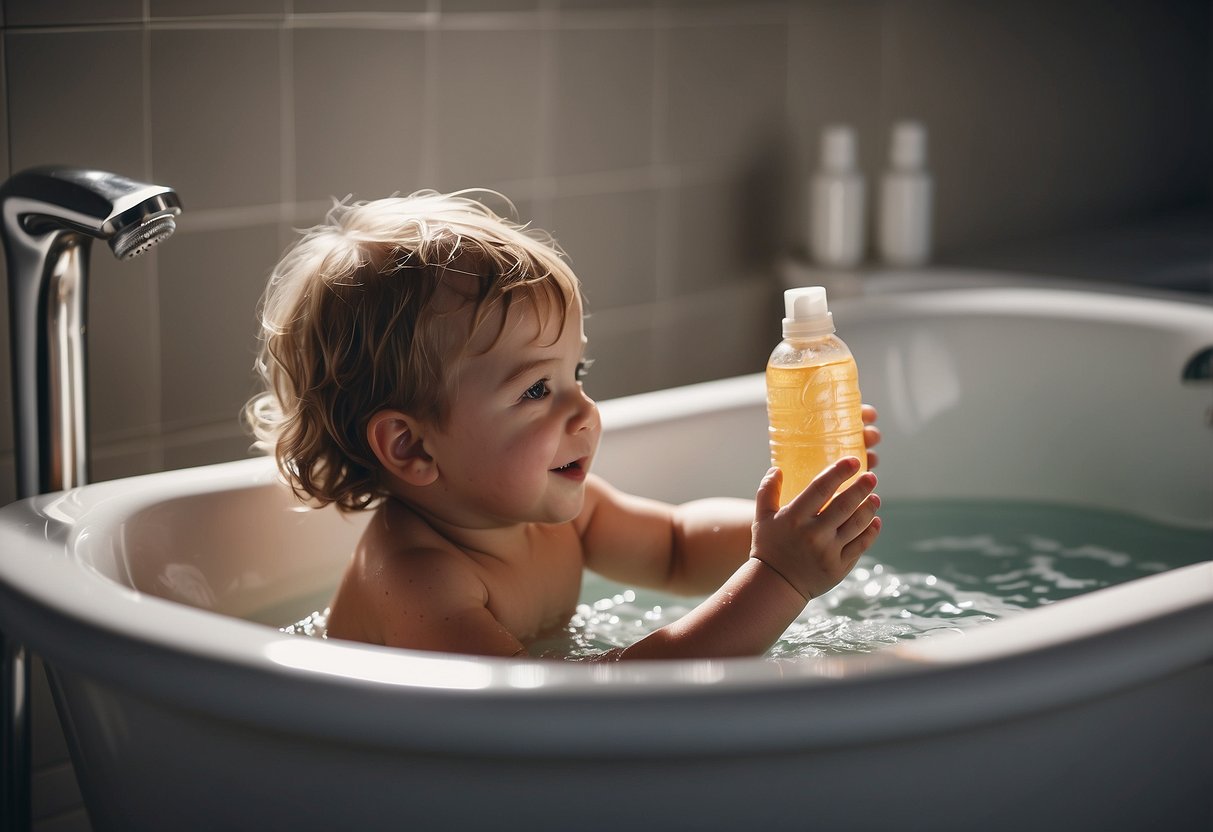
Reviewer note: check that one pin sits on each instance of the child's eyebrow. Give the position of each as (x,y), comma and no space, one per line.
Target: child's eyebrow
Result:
(528,369)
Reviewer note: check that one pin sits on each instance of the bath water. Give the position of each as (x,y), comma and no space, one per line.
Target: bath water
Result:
(938,566)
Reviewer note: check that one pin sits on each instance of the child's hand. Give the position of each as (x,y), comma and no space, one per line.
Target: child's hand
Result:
(871,434)
(811,547)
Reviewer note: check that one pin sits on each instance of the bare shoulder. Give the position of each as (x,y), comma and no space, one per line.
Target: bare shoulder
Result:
(401,581)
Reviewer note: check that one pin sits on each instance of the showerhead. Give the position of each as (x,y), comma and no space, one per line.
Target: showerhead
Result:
(130,242)
(131,216)
(49,217)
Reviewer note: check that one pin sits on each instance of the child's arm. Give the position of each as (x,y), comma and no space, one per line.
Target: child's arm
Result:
(796,554)
(688,549)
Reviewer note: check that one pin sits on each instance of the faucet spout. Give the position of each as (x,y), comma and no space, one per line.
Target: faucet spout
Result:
(49,217)
(97,203)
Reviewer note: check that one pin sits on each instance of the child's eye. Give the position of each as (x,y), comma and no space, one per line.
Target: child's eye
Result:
(583,368)
(537,391)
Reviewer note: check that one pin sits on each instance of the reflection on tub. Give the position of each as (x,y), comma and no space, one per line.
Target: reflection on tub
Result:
(922,379)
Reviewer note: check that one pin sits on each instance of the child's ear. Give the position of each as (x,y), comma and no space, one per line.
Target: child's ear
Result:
(397,441)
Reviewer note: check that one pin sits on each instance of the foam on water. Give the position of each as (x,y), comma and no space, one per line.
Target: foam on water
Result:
(938,565)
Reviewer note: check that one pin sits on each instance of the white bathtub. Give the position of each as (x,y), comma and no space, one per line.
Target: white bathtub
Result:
(1092,713)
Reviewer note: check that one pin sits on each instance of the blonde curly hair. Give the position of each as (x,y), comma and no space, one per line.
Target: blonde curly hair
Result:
(350,327)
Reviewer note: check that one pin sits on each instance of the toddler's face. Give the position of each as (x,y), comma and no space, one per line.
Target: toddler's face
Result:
(522,433)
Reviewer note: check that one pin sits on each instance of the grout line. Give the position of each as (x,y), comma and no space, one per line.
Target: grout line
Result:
(668,190)
(159,438)
(155,360)
(429,163)
(74,813)
(8,98)
(286,92)
(543,192)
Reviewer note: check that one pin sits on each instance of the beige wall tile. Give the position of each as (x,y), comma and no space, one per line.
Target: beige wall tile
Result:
(623,347)
(359,97)
(487,5)
(725,93)
(603,109)
(6,384)
(210,284)
(488,113)
(720,333)
(724,231)
(214,8)
(111,462)
(55,116)
(216,115)
(359,6)
(611,241)
(207,451)
(60,12)
(1048,117)
(123,344)
(8,478)
(612,5)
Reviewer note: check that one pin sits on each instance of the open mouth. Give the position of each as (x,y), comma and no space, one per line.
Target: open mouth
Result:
(571,469)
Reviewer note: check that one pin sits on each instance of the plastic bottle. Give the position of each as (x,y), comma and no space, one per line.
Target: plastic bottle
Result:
(904,235)
(836,202)
(813,399)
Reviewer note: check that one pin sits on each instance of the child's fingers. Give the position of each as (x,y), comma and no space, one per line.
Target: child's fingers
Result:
(867,413)
(871,436)
(860,519)
(766,502)
(847,501)
(823,486)
(861,544)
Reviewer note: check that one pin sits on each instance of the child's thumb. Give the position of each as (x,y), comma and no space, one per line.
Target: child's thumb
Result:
(766,503)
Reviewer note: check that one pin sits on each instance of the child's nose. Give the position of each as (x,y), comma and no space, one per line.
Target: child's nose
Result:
(585,413)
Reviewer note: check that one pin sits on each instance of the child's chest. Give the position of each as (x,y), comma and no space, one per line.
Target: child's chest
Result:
(536,592)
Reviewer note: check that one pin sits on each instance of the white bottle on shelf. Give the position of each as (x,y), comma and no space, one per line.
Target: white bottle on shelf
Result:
(836,202)
(904,226)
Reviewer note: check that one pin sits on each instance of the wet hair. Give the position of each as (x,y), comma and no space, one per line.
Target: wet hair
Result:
(366,312)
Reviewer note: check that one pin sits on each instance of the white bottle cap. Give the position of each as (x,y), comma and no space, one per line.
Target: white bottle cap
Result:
(838,148)
(908,149)
(807,312)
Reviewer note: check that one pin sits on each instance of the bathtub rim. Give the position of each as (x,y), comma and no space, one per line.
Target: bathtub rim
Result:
(257,675)
(266,679)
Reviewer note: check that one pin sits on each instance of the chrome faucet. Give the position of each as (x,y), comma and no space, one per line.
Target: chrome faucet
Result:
(50,216)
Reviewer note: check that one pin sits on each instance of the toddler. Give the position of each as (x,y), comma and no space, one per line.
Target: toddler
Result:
(423,359)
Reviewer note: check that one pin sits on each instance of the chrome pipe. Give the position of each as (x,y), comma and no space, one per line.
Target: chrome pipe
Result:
(49,217)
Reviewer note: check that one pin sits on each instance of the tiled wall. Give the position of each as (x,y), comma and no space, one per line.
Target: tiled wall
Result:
(664,142)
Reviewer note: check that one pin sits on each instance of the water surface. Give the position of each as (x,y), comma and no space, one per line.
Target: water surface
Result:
(938,565)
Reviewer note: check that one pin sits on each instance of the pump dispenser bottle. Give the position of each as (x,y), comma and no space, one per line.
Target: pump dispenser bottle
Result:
(813,399)
(836,202)
(904,232)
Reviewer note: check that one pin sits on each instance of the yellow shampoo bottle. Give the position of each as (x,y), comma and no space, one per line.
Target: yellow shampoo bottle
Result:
(813,400)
